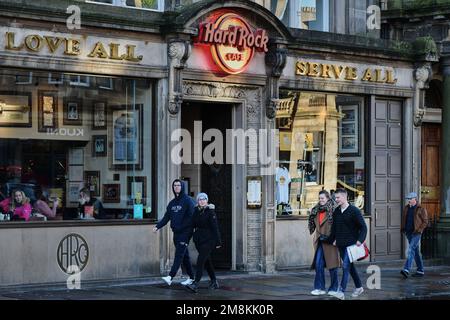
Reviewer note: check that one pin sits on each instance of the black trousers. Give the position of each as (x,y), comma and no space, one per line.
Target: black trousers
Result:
(204,261)
(181,257)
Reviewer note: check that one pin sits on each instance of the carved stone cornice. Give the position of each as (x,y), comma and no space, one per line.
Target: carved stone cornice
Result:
(178,52)
(215,90)
(225,91)
(276,61)
(271,109)
(423,75)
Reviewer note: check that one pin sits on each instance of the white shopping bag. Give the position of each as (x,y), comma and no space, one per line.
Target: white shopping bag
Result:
(354,252)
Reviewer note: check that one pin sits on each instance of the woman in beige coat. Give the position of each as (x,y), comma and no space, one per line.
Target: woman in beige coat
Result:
(325,254)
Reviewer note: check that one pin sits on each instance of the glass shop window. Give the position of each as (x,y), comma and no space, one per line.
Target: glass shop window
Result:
(302,14)
(157,5)
(321,147)
(74,146)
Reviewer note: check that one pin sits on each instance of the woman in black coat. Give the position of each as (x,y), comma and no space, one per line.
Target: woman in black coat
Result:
(206,238)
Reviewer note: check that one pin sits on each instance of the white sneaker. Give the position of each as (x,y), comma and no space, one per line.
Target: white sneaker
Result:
(340,295)
(317,292)
(167,280)
(332,293)
(357,292)
(187,282)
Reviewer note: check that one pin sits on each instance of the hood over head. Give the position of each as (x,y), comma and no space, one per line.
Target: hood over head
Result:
(182,188)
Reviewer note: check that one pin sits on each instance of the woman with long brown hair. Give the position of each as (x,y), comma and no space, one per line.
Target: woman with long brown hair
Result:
(325,254)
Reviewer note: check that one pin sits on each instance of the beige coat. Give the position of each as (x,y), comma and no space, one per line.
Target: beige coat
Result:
(331,253)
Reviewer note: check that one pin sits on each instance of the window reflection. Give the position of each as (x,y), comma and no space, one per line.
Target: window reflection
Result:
(321,147)
(62,133)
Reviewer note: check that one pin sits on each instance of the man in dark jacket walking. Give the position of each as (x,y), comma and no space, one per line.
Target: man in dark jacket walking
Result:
(348,228)
(179,212)
(414,221)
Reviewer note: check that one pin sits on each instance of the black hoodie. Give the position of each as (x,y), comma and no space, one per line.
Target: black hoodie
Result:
(179,211)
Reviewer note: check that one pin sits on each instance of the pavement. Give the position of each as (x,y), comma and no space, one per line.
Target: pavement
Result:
(283,285)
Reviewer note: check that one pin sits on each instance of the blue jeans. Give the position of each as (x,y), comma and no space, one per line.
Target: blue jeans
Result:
(181,256)
(414,252)
(319,280)
(348,269)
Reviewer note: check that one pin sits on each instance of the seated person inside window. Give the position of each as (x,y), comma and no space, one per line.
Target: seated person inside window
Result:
(17,206)
(90,207)
(42,207)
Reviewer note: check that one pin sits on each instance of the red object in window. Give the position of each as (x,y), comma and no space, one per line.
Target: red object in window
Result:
(89,211)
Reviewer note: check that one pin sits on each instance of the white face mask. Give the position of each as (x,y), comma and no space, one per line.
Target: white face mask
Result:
(82,201)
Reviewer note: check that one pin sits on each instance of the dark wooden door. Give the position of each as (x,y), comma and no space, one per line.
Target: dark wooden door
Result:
(431,165)
(216,181)
(386,179)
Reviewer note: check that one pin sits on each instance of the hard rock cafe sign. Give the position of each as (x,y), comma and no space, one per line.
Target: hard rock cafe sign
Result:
(233,42)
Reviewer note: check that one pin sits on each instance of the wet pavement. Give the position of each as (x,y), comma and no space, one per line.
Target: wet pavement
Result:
(284,285)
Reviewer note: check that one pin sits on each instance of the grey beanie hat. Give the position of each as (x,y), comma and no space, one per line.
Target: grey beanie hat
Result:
(202,195)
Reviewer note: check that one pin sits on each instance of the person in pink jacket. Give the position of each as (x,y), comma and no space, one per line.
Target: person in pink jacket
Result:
(18,206)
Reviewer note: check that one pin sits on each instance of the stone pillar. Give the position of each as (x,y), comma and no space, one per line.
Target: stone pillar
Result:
(444,221)
(275,63)
(178,52)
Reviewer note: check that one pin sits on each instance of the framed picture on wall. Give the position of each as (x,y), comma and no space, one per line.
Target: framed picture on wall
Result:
(76,173)
(350,130)
(99,115)
(136,187)
(359,175)
(47,110)
(254,192)
(127,137)
(92,181)
(99,145)
(72,111)
(73,191)
(285,140)
(15,109)
(76,156)
(111,193)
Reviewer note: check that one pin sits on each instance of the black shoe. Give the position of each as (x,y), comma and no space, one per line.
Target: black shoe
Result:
(405,274)
(213,285)
(192,287)
(418,275)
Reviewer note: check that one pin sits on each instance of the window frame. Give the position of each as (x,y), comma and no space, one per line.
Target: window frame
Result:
(123,4)
(365,148)
(65,76)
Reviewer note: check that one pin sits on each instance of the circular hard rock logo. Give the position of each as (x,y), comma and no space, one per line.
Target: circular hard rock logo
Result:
(233,42)
(73,250)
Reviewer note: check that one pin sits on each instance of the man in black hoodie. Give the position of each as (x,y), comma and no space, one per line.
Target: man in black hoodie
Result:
(179,212)
(349,228)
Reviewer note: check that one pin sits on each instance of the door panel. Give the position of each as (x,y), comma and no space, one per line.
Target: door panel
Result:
(385,177)
(381,218)
(431,164)
(380,136)
(394,218)
(394,244)
(380,164)
(380,243)
(395,137)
